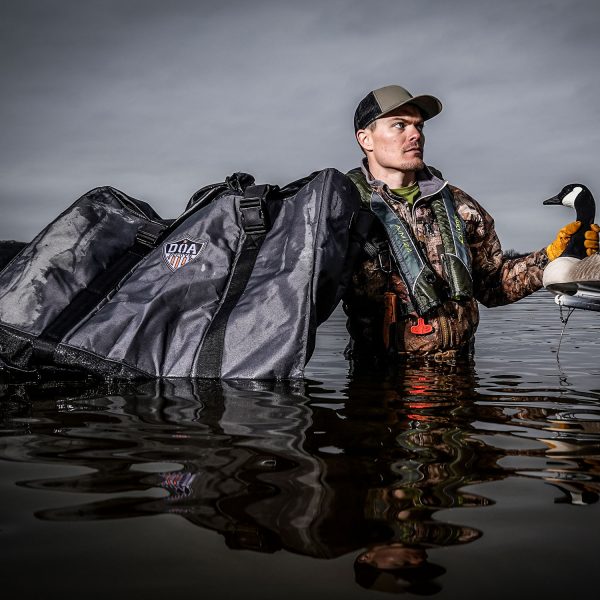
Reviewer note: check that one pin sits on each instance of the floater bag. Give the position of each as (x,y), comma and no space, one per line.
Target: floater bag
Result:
(233,288)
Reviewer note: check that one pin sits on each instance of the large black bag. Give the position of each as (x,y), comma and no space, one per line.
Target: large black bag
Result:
(233,288)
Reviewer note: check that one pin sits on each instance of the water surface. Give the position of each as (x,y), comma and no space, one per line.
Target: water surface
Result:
(478,480)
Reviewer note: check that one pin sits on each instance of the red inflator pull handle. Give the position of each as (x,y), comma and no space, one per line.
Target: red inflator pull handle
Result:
(421,328)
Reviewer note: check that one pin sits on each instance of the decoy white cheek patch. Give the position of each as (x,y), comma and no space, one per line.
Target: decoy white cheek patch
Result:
(569,199)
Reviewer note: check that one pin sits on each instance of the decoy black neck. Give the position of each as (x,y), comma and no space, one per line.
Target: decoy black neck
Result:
(586,210)
(586,213)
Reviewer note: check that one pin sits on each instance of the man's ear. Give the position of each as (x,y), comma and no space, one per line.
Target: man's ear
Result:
(365,139)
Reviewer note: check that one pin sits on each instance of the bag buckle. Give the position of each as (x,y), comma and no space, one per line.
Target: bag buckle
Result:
(252,210)
(148,234)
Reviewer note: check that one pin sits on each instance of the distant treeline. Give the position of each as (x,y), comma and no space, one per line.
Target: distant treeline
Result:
(514,254)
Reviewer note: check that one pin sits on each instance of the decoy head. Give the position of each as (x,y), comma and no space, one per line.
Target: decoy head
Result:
(579,197)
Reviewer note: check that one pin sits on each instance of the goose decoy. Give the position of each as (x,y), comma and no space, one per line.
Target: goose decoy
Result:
(575,277)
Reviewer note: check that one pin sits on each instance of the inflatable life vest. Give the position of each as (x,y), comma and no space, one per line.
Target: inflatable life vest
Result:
(422,283)
(233,288)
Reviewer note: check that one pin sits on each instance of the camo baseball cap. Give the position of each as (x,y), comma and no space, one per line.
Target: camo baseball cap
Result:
(382,101)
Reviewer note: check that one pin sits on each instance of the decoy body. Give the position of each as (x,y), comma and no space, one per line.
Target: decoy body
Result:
(575,277)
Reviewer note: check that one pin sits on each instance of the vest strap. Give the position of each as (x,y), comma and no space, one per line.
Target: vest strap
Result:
(456,260)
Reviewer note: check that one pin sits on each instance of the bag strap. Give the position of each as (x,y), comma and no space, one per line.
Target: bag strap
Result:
(255,223)
(84,301)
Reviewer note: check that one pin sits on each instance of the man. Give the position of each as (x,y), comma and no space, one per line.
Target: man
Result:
(435,252)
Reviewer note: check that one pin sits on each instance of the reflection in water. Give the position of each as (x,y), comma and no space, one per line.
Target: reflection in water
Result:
(274,466)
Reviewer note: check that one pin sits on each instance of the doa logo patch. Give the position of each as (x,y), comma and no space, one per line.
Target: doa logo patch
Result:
(182,252)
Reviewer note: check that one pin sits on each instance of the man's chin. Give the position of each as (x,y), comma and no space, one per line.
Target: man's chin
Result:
(409,166)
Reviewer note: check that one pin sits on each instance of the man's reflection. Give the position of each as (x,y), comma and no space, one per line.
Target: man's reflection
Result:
(280,466)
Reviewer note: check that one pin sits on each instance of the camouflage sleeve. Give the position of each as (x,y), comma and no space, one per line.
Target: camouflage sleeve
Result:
(497,279)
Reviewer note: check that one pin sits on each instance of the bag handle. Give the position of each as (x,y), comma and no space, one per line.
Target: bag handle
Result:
(236,182)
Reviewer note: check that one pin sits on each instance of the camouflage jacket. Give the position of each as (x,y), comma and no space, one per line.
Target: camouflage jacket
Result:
(497,280)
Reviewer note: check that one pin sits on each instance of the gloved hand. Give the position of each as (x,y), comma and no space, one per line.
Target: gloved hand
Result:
(558,246)
(591,239)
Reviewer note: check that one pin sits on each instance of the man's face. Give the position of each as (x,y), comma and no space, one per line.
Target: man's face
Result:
(393,556)
(396,143)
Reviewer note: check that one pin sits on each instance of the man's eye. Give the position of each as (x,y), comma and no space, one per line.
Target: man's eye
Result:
(400,125)
(421,126)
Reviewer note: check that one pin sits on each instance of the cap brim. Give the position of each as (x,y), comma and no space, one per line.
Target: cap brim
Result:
(429,106)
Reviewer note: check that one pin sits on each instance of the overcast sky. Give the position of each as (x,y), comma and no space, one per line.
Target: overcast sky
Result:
(160,98)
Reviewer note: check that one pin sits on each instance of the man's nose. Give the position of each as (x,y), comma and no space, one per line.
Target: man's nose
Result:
(414,133)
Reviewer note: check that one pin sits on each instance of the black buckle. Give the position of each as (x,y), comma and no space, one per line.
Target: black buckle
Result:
(254,216)
(148,234)
(380,260)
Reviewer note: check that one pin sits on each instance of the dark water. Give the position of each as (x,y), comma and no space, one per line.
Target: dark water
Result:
(468,482)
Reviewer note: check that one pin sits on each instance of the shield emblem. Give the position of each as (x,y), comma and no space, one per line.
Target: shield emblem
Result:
(179,253)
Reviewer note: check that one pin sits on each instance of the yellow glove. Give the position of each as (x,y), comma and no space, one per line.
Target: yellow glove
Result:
(591,239)
(558,246)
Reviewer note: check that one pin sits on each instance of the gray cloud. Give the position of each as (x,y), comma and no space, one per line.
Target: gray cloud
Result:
(160,99)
